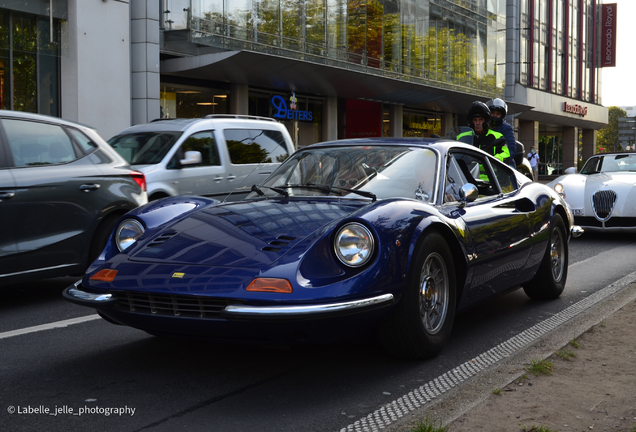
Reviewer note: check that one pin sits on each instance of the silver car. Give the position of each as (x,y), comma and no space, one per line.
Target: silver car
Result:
(603,195)
(219,156)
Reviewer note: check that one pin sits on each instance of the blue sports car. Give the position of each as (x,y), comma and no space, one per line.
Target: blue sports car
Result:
(390,234)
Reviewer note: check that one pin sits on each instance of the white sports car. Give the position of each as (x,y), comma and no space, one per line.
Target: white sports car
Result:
(602,196)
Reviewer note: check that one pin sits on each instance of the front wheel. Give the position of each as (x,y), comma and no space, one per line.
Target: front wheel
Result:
(553,271)
(421,323)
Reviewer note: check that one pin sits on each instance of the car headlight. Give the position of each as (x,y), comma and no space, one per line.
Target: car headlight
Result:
(558,188)
(354,245)
(128,231)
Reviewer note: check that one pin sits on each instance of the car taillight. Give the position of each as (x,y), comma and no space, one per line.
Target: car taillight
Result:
(140,179)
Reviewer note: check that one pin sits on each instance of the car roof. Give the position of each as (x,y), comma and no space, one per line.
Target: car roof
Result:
(181,124)
(440,143)
(41,118)
(616,153)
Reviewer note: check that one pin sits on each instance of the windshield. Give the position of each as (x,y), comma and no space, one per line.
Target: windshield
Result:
(610,163)
(383,171)
(144,148)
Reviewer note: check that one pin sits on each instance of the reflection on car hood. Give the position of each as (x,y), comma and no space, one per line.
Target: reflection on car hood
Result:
(241,234)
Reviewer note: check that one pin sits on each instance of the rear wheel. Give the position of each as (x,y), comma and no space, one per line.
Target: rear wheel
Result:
(553,271)
(422,321)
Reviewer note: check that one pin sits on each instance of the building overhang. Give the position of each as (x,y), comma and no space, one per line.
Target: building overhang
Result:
(345,80)
(550,109)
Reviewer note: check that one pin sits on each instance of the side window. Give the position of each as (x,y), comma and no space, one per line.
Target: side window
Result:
(35,143)
(253,146)
(86,144)
(504,177)
(465,168)
(204,143)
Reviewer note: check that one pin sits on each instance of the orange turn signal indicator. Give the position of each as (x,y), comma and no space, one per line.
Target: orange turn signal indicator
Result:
(270,285)
(106,275)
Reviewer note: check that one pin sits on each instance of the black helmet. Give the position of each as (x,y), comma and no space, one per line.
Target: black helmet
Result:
(500,106)
(478,109)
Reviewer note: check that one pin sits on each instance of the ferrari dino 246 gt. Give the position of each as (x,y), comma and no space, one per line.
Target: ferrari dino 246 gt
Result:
(393,235)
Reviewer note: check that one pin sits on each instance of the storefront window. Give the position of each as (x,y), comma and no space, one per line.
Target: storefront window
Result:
(421,124)
(29,64)
(181,101)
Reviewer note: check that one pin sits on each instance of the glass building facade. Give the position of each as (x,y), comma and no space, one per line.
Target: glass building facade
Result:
(557,47)
(453,44)
(29,63)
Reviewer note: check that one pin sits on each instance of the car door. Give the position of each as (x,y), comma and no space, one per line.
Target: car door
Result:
(57,197)
(207,178)
(8,247)
(498,222)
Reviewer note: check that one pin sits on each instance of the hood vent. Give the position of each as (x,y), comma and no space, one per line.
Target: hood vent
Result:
(161,239)
(603,202)
(280,243)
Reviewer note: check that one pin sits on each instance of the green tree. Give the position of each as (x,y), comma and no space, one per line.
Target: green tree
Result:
(607,138)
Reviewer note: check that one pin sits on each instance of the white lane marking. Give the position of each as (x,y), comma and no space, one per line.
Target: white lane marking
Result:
(57,324)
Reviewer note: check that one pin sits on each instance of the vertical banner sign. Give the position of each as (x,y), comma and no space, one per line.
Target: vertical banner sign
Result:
(608,35)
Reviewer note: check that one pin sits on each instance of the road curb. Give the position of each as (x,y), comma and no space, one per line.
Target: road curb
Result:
(458,401)
(456,392)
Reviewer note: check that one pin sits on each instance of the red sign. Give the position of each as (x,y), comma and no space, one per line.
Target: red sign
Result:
(575,109)
(364,119)
(608,35)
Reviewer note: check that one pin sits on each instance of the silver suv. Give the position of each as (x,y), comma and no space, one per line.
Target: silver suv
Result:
(213,156)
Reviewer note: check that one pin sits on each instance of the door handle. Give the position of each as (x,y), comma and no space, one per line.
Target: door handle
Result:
(218,179)
(89,187)
(231,177)
(6,195)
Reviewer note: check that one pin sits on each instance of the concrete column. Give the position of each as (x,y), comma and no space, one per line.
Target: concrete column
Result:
(239,99)
(529,134)
(396,120)
(451,120)
(570,147)
(330,119)
(589,143)
(144,39)
(95,70)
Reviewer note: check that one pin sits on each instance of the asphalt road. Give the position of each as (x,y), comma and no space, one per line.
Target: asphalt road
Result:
(95,375)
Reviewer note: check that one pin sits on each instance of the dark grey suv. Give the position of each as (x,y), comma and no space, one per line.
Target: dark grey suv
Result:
(62,189)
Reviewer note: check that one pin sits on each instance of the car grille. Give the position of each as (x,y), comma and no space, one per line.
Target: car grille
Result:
(171,305)
(603,203)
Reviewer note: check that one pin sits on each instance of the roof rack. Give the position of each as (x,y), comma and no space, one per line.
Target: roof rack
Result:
(167,118)
(239,116)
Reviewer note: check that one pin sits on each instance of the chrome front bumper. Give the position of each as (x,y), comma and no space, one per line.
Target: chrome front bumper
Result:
(75,295)
(576,231)
(243,311)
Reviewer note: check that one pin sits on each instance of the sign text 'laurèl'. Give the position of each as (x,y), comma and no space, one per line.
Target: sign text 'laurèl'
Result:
(575,109)
(292,113)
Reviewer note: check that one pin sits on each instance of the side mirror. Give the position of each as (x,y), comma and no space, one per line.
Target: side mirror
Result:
(570,170)
(468,193)
(191,158)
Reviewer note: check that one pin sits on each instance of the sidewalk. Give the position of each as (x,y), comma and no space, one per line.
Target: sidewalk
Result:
(591,387)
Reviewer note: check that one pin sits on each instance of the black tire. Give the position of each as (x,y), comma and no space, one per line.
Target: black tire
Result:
(553,271)
(101,236)
(422,321)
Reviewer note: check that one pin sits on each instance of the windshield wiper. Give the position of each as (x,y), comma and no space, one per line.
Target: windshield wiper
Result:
(280,191)
(327,188)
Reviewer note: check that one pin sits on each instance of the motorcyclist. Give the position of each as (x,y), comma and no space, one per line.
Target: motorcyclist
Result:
(498,112)
(485,138)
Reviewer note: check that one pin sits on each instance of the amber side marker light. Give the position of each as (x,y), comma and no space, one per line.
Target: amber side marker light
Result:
(270,285)
(105,275)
